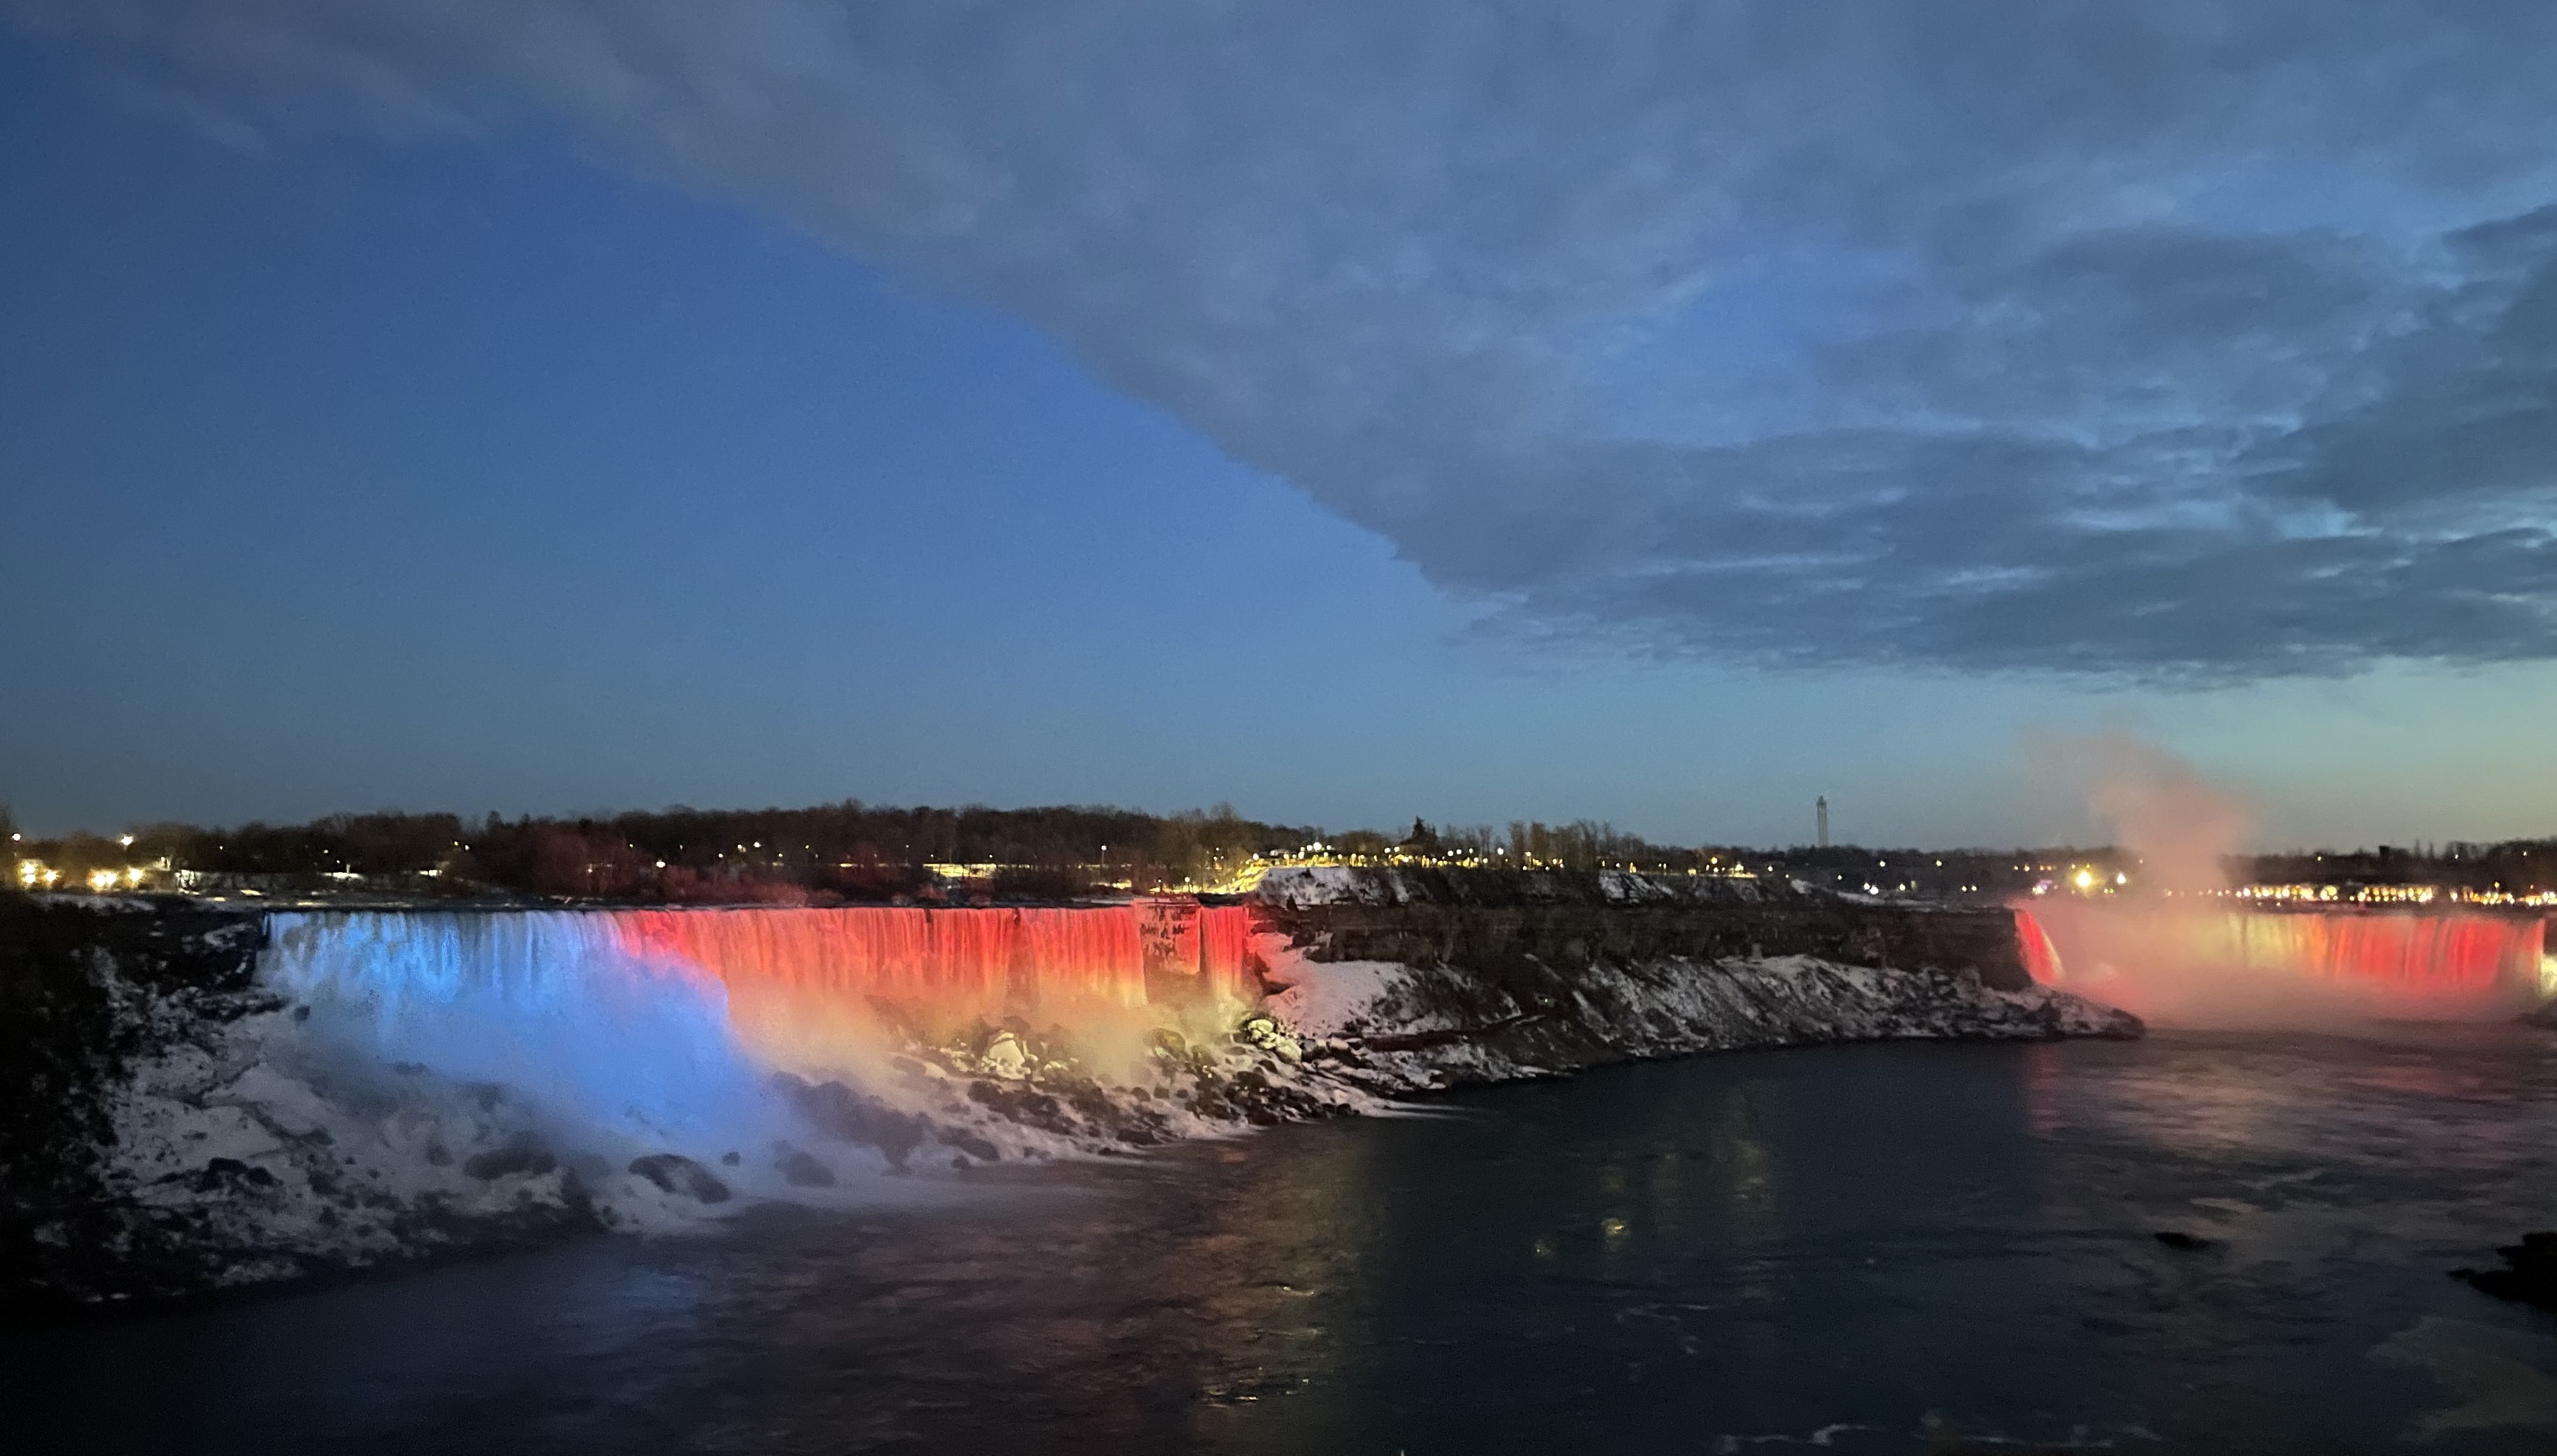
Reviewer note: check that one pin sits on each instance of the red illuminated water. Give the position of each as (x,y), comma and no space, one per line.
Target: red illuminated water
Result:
(2041,957)
(2260,968)
(804,985)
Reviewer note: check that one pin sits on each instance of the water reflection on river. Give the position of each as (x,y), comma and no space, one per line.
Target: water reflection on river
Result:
(1867,1248)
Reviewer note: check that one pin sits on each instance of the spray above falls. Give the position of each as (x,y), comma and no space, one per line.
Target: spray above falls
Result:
(2197,965)
(2177,950)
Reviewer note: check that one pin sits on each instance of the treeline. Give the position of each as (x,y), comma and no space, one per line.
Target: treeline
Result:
(1582,845)
(850,850)
(860,851)
(2519,866)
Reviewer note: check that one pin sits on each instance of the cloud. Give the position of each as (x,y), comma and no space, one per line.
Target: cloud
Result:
(2192,340)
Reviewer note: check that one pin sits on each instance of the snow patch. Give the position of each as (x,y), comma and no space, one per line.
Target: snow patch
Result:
(1327,998)
(1391,1028)
(1298,886)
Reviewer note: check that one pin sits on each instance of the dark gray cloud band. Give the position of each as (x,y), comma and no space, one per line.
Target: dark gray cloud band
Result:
(2194,340)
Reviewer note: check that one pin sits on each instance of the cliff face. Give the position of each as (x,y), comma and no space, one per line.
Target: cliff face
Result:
(1392,1028)
(1519,928)
(88,998)
(170,1132)
(1399,980)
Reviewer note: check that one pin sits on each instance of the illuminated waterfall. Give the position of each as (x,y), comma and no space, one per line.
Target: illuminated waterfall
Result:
(2206,966)
(555,1003)
(669,1019)
(2041,957)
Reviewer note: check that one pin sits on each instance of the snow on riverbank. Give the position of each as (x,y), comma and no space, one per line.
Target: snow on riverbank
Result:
(1390,1027)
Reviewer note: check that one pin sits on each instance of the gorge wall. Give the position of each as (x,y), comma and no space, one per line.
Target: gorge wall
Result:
(1506,923)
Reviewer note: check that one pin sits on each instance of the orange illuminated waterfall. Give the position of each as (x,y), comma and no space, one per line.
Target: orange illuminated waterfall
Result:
(2207,966)
(962,962)
(1225,954)
(791,989)
(806,987)
(2041,957)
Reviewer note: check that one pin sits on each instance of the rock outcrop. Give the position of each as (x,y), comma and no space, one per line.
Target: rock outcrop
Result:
(2528,1275)
(1392,1027)
(1494,922)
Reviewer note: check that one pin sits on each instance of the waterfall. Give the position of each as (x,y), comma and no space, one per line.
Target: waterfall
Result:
(555,1003)
(2279,967)
(2451,956)
(2041,957)
(1225,956)
(665,1019)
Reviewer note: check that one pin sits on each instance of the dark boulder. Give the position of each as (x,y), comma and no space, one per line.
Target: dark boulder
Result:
(799,1169)
(677,1173)
(966,1141)
(227,1175)
(2528,1275)
(840,1113)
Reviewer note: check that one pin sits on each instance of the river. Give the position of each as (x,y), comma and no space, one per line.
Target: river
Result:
(1888,1248)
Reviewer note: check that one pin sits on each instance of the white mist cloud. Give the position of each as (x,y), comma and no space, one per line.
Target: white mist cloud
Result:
(2151,801)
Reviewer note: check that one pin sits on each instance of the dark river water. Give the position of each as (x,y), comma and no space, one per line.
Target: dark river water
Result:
(1889,1249)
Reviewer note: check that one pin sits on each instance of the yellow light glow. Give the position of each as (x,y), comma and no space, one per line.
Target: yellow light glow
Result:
(103,879)
(2086,879)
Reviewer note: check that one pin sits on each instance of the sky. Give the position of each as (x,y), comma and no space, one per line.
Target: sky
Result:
(1663,414)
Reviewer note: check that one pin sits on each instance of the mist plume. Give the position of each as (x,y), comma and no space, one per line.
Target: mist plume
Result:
(2169,953)
(2154,804)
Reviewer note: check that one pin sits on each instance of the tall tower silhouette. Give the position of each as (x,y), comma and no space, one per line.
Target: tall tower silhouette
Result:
(1822,807)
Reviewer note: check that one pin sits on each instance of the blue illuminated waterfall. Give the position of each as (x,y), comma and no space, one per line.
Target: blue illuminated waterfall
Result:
(550,1002)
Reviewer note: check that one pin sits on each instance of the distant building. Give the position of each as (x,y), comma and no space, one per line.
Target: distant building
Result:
(1823,809)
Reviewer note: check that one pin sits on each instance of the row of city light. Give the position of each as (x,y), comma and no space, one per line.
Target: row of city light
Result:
(36,875)
(2392,895)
